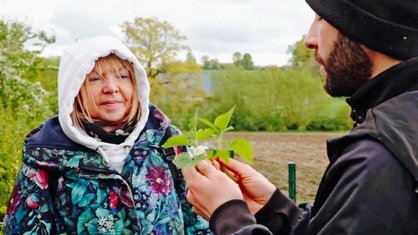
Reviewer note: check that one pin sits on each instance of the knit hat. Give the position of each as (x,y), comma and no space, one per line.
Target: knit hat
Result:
(386,26)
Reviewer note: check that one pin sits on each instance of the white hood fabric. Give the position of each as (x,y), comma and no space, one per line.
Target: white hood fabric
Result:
(76,62)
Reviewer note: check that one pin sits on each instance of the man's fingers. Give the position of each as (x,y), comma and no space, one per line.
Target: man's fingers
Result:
(235,166)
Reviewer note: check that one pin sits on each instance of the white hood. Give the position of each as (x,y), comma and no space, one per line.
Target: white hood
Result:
(76,62)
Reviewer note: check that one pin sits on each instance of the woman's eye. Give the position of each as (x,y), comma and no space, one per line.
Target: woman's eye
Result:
(123,76)
(93,79)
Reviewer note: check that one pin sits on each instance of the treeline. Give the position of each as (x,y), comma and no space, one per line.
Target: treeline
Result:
(275,99)
(266,99)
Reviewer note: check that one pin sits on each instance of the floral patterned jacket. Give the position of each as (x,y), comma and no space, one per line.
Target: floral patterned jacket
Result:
(65,188)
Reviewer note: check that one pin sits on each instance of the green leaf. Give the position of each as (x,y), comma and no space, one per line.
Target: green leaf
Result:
(100,212)
(120,226)
(44,208)
(229,128)
(86,199)
(183,160)
(223,154)
(204,134)
(78,191)
(222,121)
(209,124)
(209,145)
(243,148)
(177,140)
(84,219)
(74,161)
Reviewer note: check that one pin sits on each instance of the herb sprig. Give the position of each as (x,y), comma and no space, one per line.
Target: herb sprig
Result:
(205,150)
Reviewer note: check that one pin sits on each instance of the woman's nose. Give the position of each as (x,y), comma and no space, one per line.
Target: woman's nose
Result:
(111,86)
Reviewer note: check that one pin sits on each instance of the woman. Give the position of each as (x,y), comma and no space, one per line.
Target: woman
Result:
(96,167)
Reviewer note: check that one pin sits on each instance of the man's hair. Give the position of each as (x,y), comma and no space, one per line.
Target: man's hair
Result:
(84,97)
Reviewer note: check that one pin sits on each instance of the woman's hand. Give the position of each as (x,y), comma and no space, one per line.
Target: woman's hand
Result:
(209,188)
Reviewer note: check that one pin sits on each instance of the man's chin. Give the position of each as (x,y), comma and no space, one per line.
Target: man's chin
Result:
(336,92)
(329,89)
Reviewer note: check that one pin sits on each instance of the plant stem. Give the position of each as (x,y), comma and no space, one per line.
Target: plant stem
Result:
(220,140)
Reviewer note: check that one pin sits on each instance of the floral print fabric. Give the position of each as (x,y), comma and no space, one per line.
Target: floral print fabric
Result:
(68,191)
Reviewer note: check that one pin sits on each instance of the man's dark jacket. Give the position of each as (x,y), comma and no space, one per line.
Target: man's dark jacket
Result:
(371,183)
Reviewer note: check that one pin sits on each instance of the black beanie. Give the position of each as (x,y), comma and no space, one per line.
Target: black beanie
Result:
(386,26)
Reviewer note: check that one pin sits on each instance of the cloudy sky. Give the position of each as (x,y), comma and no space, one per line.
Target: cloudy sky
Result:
(216,28)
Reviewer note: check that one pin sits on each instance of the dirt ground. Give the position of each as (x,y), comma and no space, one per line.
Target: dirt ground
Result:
(273,152)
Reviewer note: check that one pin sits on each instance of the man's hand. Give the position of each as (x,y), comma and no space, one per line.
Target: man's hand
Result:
(209,187)
(256,189)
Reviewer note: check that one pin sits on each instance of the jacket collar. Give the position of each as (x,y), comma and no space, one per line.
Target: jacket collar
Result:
(394,81)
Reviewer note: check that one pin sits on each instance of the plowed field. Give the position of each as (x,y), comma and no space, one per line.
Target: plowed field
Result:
(273,152)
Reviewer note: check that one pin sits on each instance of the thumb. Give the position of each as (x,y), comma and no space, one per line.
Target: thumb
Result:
(239,168)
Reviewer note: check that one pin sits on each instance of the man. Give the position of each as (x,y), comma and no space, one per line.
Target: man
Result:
(368,51)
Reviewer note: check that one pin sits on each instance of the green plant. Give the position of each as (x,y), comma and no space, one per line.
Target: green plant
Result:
(216,130)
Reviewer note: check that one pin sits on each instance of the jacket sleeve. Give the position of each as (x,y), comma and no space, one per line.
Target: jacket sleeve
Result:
(29,206)
(364,191)
(278,216)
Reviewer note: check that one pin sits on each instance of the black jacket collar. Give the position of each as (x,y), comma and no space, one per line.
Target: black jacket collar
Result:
(394,81)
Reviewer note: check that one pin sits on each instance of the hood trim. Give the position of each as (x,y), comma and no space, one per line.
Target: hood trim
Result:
(76,62)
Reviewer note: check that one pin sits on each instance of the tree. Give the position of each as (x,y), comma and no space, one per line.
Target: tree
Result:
(208,63)
(273,99)
(245,61)
(236,58)
(19,66)
(153,42)
(205,61)
(214,64)
(175,83)
(23,101)
(303,57)
(190,56)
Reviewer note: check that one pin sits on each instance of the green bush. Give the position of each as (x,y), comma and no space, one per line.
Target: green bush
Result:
(272,99)
(328,124)
(14,126)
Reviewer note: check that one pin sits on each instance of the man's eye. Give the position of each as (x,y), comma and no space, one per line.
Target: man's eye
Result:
(319,18)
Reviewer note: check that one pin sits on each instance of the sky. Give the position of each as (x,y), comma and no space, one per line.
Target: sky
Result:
(215,28)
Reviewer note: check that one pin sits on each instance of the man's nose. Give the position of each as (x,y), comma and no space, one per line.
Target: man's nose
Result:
(310,39)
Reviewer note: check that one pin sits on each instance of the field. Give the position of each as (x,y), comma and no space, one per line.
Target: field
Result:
(273,152)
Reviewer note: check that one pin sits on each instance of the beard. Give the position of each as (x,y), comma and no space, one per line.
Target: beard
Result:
(347,68)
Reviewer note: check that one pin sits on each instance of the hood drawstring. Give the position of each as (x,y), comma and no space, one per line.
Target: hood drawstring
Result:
(102,153)
(127,148)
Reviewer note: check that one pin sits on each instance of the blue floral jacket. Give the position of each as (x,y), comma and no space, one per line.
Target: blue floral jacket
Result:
(65,188)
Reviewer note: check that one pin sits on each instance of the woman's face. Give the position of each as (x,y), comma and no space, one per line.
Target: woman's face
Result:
(112,92)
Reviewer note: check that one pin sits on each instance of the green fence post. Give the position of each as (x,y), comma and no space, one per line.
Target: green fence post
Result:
(292,180)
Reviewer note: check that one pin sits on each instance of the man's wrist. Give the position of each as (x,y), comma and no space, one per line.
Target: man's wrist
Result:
(230,217)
